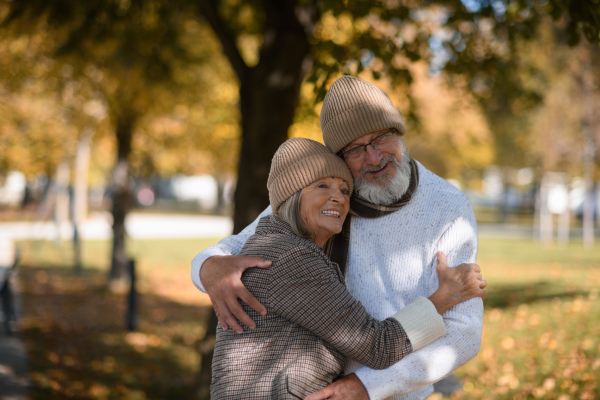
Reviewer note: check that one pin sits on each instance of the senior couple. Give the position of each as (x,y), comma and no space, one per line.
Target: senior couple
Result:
(353,298)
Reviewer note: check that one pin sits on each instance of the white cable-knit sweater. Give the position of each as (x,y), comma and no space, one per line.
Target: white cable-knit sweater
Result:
(392,262)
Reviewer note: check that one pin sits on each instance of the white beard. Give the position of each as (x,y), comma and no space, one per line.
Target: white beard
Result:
(386,190)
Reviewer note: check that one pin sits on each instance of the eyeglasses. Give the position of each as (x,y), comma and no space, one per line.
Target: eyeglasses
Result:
(379,143)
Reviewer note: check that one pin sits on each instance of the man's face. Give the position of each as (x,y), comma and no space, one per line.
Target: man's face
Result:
(373,157)
(382,175)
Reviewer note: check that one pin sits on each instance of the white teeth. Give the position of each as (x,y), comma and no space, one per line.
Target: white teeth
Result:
(379,169)
(331,213)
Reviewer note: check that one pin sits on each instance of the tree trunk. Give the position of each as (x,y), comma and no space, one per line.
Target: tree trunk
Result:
(61,192)
(589,148)
(80,192)
(82,166)
(121,201)
(269,93)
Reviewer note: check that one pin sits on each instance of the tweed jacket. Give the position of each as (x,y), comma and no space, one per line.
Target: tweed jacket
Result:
(312,324)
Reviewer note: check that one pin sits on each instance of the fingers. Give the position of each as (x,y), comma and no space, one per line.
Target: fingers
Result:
(470,270)
(463,282)
(320,395)
(480,292)
(251,301)
(441,258)
(251,262)
(226,318)
(238,311)
(230,311)
(222,321)
(235,311)
(236,314)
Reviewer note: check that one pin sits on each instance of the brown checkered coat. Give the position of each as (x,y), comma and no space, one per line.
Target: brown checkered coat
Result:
(312,323)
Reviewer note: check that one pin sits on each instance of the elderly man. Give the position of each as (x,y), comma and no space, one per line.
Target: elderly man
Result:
(400,216)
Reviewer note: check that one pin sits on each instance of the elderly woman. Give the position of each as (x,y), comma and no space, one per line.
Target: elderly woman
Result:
(312,322)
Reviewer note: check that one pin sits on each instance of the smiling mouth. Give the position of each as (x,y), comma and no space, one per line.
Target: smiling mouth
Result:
(331,213)
(377,170)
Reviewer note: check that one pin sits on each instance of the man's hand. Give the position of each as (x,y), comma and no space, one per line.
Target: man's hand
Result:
(348,387)
(457,284)
(221,277)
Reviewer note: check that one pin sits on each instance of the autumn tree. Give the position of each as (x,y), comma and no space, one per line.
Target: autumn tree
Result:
(35,128)
(498,47)
(272,46)
(319,40)
(143,60)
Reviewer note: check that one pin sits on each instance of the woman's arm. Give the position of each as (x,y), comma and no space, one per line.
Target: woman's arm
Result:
(308,291)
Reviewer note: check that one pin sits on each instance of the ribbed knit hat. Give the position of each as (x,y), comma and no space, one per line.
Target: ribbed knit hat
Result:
(353,108)
(299,162)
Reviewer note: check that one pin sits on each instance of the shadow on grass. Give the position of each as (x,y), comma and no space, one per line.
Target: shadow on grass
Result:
(74,331)
(504,296)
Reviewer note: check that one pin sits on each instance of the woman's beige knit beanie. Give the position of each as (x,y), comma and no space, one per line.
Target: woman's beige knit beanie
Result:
(353,108)
(299,162)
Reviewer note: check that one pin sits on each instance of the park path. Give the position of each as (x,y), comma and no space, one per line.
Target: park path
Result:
(155,226)
(138,225)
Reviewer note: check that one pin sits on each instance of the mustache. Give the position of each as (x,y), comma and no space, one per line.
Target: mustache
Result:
(384,161)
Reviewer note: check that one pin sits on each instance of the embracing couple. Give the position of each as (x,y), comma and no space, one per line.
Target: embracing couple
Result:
(353,297)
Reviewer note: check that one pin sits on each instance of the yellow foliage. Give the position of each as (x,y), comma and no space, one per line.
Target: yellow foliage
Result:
(453,134)
(340,29)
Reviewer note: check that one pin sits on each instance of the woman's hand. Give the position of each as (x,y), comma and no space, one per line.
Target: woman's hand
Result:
(457,284)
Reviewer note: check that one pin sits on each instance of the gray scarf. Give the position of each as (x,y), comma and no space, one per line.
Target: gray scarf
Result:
(338,246)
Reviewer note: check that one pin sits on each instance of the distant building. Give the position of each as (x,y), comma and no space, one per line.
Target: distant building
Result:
(12,189)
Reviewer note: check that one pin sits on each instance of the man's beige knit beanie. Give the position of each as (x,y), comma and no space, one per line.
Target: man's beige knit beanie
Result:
(299,162)
(353,108)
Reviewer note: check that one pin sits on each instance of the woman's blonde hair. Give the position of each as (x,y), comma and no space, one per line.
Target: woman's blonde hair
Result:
(289,211)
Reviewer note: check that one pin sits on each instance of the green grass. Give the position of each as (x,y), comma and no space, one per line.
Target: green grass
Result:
(74,328)
(541,336)
(540,340)
(491,215)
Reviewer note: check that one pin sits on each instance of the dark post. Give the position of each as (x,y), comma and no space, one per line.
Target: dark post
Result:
(6,297)
(131,319)
(76,238)
(77,249)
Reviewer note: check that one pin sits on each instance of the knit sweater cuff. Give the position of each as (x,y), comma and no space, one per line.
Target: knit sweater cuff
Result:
(421,322)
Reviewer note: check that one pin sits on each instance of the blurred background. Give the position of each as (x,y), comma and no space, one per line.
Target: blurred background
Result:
(139,132)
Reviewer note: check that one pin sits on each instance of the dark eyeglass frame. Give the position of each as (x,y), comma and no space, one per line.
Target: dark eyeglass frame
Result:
(344,154)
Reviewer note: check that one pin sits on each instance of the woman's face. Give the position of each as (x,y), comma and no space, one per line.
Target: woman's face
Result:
(323,207)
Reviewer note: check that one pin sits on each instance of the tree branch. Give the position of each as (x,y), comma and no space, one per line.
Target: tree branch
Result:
(209,10)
